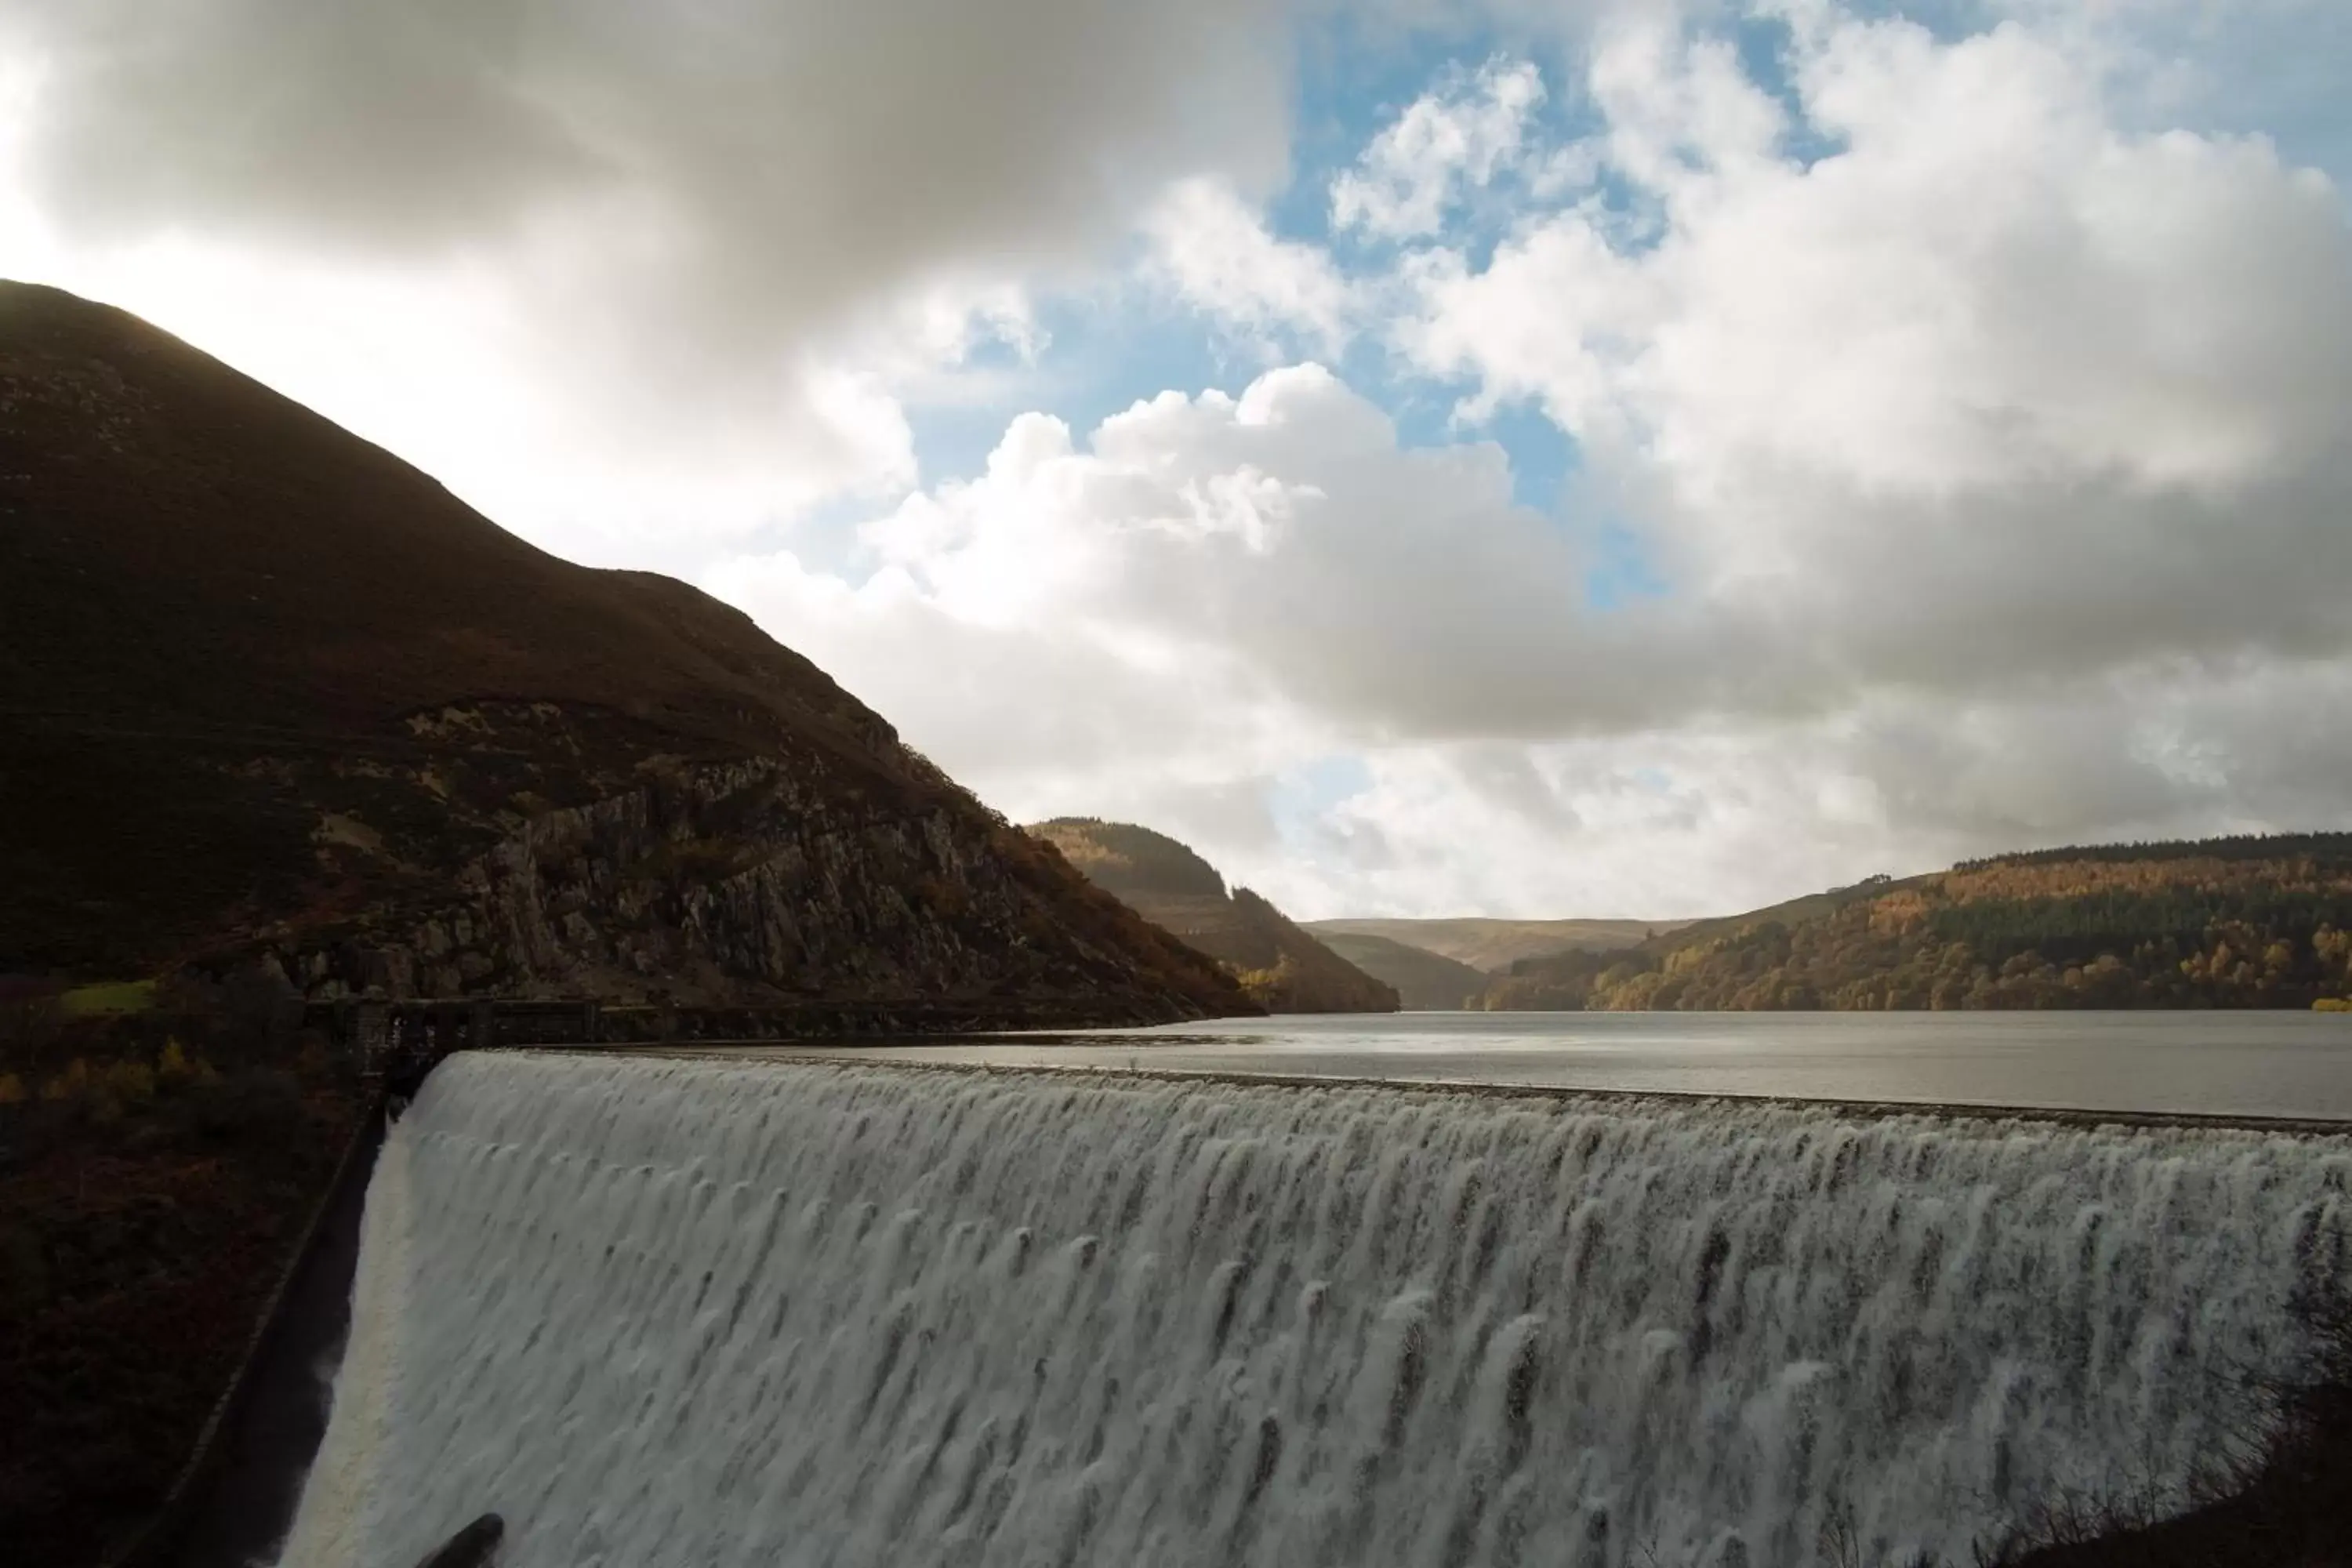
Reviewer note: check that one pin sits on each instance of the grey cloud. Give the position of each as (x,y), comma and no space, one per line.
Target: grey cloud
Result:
(384,128)
(1230,812)
(2169,751)
(1704,821)
(1505,775)
(1402,595)
(1991,401)
(2032,584)
(759,168)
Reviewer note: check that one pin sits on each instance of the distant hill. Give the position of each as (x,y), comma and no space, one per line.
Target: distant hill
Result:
(2224,922)
(265,689)
(1490,944)
(1277,962)
(1425,981)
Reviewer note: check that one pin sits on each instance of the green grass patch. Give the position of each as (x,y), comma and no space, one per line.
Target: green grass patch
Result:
(108,999)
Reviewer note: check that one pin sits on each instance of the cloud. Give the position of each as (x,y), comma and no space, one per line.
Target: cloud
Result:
(1197,565)
(1989,393)
(1961,448)
(1740,814)
(1181,615)
(1215,253)
(1988,456)
(1212,595)
(795,155)
(717,235)
(1462,135)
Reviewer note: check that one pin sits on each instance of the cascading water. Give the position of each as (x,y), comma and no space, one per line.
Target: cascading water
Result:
(682,1313)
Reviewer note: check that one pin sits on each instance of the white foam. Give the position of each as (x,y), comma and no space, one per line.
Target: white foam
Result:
(663,1313)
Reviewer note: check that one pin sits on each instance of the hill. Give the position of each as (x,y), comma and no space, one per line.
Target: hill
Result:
(1276,961)
(1425,981)
(265,689)
(2225,922)
(1490,945)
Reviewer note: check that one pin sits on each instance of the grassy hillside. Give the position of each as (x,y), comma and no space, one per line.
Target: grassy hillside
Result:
(1278,963)
(2232,922)
(1490,945)
(1425,981)
(264,687)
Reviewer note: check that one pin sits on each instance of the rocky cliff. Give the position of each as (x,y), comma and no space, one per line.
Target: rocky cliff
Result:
(268,692)
(746,883)
(1277,962)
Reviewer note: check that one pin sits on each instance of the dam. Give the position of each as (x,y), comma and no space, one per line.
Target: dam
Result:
(668,1313)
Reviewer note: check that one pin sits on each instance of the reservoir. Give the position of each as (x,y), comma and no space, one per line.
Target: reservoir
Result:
(2233,1065)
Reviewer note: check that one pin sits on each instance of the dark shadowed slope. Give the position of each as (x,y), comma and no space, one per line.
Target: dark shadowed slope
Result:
(1425,981)
(266,686)
(1490,944)
(1277,960)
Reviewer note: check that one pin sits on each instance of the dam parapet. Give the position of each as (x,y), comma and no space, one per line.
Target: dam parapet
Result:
(398,1041)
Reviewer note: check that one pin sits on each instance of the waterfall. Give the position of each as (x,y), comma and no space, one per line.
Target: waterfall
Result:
(690,1313)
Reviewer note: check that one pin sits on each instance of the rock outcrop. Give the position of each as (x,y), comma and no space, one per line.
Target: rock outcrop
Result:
(1279,964)
(750,883)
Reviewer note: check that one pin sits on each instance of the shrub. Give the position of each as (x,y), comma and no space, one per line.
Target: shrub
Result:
(313,1065)
(130,1081)
(71,1086)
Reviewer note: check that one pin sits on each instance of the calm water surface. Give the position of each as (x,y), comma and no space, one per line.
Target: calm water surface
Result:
(2226,1064)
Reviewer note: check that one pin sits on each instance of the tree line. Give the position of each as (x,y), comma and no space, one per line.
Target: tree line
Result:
(2255,923)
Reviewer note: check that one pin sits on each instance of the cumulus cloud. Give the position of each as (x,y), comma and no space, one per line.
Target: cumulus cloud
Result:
(1287,542)
(1184,616)
(1458,137)
(1228,555)
(1214,252)
(1991,393)
(1983,457)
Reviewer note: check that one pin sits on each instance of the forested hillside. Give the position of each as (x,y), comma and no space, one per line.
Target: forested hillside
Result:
(1280,965)
(2233,922)
(1425,981)
(1490,945)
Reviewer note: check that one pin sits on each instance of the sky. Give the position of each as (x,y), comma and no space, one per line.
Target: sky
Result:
(1530,457)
